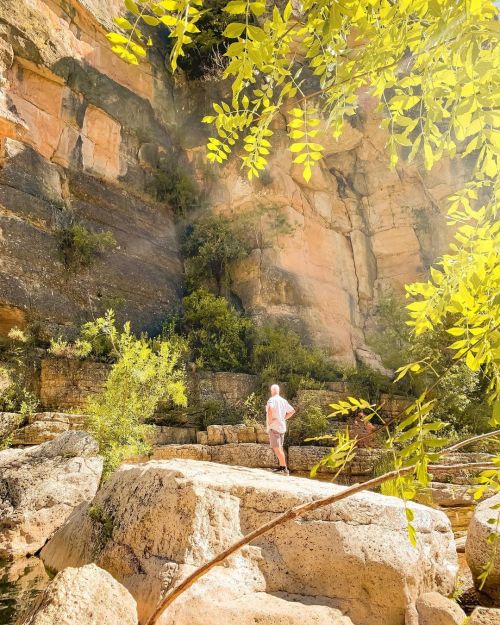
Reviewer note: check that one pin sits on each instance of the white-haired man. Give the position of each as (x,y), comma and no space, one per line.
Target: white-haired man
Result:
(278,411)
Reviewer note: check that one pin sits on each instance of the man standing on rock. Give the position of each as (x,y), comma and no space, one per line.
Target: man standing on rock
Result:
(278,410)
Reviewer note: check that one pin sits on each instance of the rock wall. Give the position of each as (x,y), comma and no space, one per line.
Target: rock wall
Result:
(83,135)
(74,121)
(358,231)
(69,383)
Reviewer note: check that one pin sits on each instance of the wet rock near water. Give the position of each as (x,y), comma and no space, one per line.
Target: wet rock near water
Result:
(41,485)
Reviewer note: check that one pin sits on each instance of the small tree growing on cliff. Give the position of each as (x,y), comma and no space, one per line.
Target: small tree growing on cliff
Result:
(211,245)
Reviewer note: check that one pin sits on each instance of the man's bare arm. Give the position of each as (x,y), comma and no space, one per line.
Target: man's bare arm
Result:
(268,412)
(290,414)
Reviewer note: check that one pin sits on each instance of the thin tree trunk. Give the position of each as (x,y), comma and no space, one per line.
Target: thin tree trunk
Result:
(293,513)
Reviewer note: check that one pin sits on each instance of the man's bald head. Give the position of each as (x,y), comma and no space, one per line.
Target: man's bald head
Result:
(275,389)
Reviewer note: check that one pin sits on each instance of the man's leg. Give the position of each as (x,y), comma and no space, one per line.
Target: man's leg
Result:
(280,455)
(276,440)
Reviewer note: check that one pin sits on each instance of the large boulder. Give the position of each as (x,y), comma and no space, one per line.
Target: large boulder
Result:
(83,596)
(152,524)
(40,487)
(479,550)
(434,609)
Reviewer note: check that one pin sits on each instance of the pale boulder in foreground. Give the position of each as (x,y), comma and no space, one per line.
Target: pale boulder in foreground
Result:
(434,609)
(478,551)
(83,596)
(41,486)
(152,524)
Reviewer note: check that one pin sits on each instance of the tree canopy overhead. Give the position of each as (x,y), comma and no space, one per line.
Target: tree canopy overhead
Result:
(432,65)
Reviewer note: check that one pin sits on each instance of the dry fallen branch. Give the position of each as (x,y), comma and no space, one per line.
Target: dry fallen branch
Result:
(293,513)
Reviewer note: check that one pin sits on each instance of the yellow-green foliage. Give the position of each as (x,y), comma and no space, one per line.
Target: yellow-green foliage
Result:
(146,372)
(431,64)
(461,392)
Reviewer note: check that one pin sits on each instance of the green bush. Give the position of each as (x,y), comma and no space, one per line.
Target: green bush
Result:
(178,189)
(254,412)
(278,355)
(215,412)
(78,247)
(210,246)
(16,377)
(16,397)
(461,391)
(310,422)
(216,333)
(391,337)
(146,373)
(368,383)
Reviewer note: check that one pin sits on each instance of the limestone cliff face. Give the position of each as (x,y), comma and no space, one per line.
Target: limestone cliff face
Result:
(83,134)
(74,121)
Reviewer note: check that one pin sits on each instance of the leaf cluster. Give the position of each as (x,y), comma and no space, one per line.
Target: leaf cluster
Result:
(146,373)
(217,335)
(210,246)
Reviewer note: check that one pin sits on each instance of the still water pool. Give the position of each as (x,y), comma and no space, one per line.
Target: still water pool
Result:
(20,582)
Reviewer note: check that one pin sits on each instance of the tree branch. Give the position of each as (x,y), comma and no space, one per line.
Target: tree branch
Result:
(474,439)
(293,513)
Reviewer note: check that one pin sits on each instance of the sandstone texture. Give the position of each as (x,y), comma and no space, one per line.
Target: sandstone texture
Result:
(40,486)
(68,383)
(9,422)
(434,609)
(477,549)
(166,435)
(75,123)
(83,596)
(87,138)
(229,388)
(448,495)
(260,455)
(485,616)
(45,426)
(152,523)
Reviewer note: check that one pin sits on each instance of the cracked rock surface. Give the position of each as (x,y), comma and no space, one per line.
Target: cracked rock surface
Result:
(40,487)
(348,563)
(83,596)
